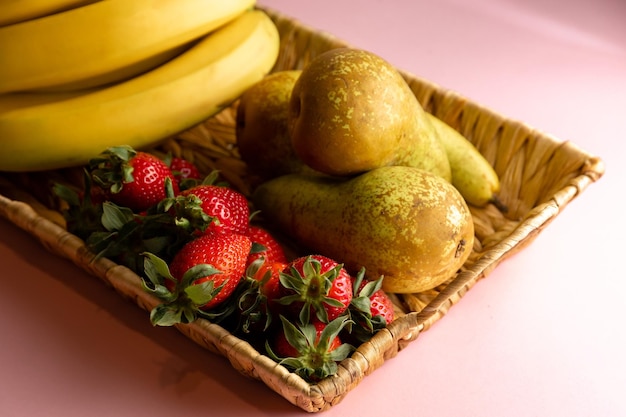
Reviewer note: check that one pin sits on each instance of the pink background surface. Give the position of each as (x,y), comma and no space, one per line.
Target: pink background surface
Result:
(543,335)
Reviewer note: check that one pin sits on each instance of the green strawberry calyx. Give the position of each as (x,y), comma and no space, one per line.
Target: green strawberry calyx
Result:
(252,303)
(364,324)
(311,288)
(111,169)
(315,360)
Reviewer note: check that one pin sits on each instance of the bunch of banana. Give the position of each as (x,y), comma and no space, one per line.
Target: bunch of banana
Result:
(105,41)
(123,71)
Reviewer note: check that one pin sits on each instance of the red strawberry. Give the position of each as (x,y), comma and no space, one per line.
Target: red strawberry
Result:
(371,308)
(132,179)
(317,285)
(377,302)
(226,253)
(265,245)
(312,350)
(381,306)
(183,169)
(186,173)
(268,275)
(258,303)
(227,206)
(199,281)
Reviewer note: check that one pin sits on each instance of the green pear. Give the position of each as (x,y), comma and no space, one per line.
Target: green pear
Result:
(261,126)
(472,174)
(351,111)
(404,223)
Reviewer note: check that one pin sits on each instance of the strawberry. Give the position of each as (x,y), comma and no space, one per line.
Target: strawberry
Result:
(186,173)
(201,277)
(313,350)
(370,299)
(166,226)
(227,253)
(265,245)
(267,274)
(183,169)
(228,208)
(381,306)
(371,308)
(317,285)
(257,304)
(133,179)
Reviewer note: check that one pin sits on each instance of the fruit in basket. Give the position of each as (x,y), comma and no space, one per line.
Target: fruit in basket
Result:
(257,302)
(312,351)
(350,111)
(372,302)
(265,245)
(315,287)
(105,41)
(132,179)
(228,207)
(472,174)
(261,128)
(403,223)
(202,276)
(186,172)
(146,109)
(227,253)
(371,309)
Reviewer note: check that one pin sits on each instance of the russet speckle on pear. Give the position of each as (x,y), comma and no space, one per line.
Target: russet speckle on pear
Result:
(350,111)
(404,223)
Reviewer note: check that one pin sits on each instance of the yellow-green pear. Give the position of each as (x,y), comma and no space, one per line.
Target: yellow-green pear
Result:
(404,223)
(261,126)
(351,111)
(472,174)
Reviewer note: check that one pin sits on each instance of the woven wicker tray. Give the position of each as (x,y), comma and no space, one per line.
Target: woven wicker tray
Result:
(540,175)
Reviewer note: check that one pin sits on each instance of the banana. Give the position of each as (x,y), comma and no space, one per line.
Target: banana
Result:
(101,38)
(16,11)
(144,110)
(119,74)
(472,175)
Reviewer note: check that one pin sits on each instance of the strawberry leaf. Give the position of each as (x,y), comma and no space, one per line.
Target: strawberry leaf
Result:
(171,314)
(300,338)
(156,272)
(110,169)
(341,352)
(200,294)
(196,272)
(67,194)
(331,330)
(115,217)
(165,315)
(314,361)
(156,269)
(212,179)
(257,248)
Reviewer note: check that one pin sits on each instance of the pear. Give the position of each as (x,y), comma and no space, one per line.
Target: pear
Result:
(261,126)
(472,174)
(404,223)
(351,111)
